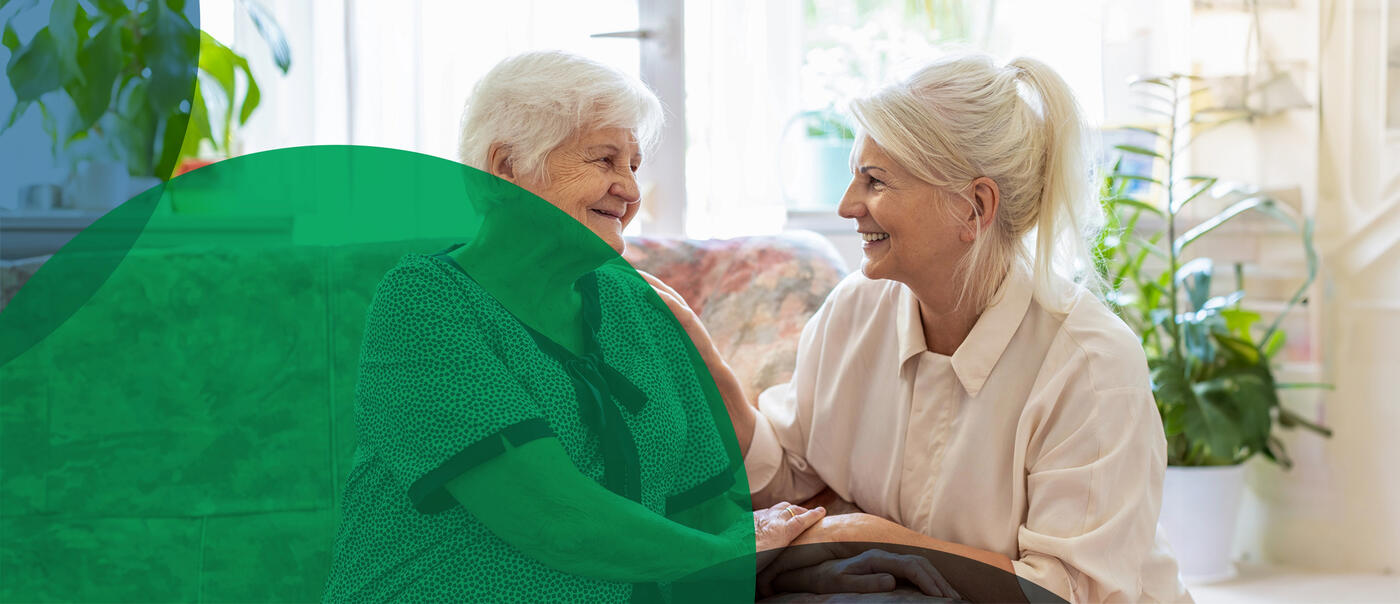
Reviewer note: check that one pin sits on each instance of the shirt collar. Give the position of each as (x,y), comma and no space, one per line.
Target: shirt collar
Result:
(974,359)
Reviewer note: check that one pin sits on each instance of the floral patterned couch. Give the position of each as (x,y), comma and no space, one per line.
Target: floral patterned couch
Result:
(754,294)
(174,488)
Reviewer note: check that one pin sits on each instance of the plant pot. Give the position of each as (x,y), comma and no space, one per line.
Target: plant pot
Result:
(1200,507)
(97,185)
(822,167)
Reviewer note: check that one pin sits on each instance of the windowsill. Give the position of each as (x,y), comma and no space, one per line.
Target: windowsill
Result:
(1260,583)
(31,233)
(824,221)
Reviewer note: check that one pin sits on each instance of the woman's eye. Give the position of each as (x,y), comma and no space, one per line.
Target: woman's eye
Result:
(875,183)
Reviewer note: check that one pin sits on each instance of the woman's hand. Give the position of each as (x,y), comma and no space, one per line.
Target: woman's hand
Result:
(871,571)
(831,538)
(777,526)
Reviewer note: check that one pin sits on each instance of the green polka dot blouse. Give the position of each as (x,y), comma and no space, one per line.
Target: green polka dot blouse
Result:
(447,376)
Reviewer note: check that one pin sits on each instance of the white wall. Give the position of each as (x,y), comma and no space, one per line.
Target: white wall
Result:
(1337,509)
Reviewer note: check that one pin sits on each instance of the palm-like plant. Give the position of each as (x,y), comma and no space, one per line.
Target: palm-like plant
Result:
(1210,359)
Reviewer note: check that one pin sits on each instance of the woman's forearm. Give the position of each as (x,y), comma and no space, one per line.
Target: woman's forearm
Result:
(736,402)
(536,500)
(871,528)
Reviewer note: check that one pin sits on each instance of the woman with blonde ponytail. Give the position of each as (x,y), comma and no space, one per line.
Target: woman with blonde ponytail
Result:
(966,388)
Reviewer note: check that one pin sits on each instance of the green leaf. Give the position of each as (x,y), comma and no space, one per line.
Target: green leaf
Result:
(1215,430)
(271,33)
(82,24)
(171,50)
(134,126)
(172,139)
(112,8)
(1310,253)
(1301,385)
(221,63)
(1274,344)
(1239,349)
(1214,222)
(1134,149)
(1173,422)
(200,128)
(1195,276)
(102,61)
(66,40)
(216,61)
(1239,322)
(253,97)
(1212,436)
(1146,247)
(1205,185)
(1126,176)
(1277,453)
(34,70)
(10,38)
(15,113)
(1294,418)
(1254,399)
(1134,203)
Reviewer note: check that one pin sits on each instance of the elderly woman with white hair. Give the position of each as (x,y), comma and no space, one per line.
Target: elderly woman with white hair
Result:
(533,425)
(961,388)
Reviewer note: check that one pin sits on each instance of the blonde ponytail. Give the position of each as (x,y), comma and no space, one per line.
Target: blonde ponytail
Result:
(1069,214)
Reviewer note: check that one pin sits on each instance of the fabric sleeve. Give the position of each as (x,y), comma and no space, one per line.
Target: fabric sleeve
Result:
(714,471)
(776,461)
(433,398)
(709,466)
(1094,487)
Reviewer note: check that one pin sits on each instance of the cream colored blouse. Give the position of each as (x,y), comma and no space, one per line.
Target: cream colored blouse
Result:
(1037,439)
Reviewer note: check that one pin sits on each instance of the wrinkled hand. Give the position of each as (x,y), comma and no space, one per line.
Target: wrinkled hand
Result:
(871,571)
(775,528)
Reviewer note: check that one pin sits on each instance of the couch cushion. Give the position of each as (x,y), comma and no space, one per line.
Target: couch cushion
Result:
(754,294)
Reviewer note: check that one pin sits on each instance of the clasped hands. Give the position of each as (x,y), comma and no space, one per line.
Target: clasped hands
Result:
(834,555)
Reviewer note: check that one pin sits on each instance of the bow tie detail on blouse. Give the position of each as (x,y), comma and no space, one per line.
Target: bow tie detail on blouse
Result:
(597,385)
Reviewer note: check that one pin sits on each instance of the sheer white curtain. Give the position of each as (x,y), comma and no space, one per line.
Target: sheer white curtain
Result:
(742,63)
(396,74)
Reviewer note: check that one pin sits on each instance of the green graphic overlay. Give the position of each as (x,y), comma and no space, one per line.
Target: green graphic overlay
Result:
(353,373)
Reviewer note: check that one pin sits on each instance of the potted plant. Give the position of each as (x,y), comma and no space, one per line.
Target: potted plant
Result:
(1211,359)
(119,82)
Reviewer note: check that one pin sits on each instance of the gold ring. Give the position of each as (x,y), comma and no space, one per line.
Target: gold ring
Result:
(791,513)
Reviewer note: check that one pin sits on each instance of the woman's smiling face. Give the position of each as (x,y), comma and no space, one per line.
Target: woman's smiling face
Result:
(909,234)
(592,177)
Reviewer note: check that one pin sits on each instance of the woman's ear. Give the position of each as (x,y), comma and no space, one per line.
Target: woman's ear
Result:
(498,161)
(985,197)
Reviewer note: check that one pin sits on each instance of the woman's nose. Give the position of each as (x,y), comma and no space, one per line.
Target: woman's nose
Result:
(627,189)
(850,207)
